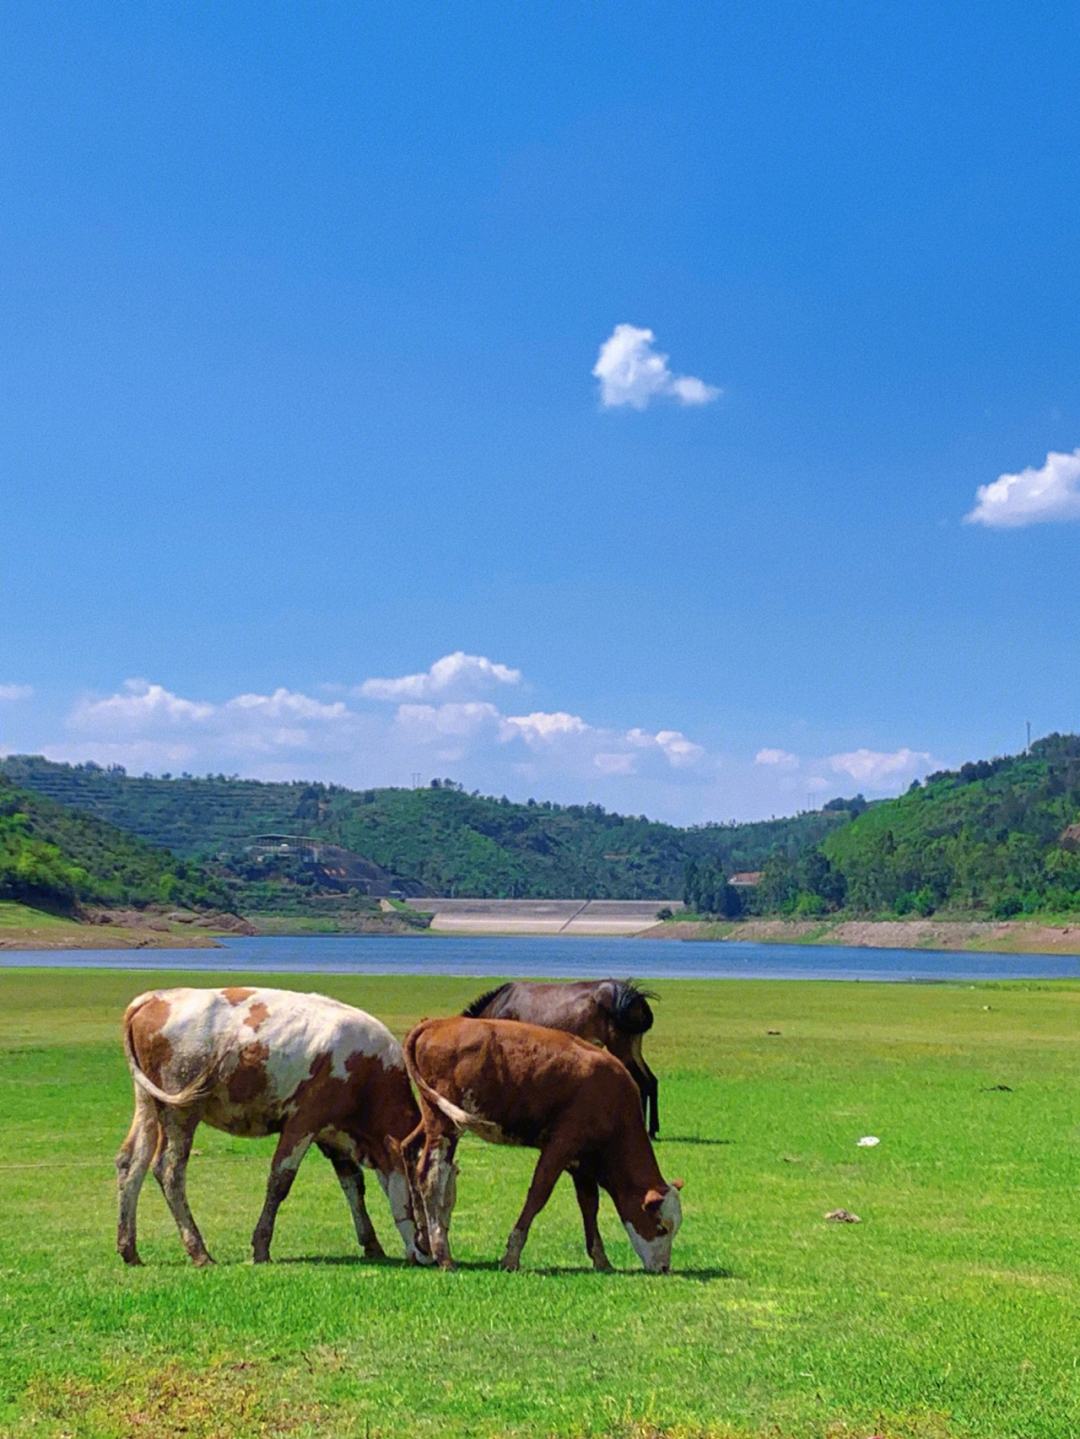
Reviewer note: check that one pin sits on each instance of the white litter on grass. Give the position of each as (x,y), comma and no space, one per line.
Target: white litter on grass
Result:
(868,1141)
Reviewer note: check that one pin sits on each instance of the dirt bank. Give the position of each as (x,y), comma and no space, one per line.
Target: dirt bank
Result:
(1001,936)
(159,928)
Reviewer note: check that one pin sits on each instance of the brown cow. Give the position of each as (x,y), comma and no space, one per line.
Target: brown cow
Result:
(264,1061)
(611,1012)
(514,1083)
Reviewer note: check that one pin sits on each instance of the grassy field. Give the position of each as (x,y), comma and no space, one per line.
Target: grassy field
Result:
(952,1309)
(16,918)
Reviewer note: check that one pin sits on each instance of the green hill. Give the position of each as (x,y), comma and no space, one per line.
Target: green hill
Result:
(990,838)
(57,858)
(453,842)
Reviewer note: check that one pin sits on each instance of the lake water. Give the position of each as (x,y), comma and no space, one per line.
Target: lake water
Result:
(543,956)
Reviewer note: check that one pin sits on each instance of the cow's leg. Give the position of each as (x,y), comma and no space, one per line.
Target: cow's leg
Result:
(287,1158)
(170,1170)
(553,1160)
(407,1210)
(131,1165)
(436,1183)
(650,1088)
(627,1050)
(588,1198)
(351,1178)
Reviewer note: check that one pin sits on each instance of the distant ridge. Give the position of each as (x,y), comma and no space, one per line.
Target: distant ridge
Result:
(451,842)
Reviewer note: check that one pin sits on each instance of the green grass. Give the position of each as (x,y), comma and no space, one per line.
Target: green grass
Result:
(16,916)
(952,1309)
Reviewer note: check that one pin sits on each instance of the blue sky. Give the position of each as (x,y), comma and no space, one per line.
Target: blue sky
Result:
(300,307)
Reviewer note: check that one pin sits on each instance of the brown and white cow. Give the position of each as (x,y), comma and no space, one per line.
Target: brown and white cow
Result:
(264,1061)
(514,1083)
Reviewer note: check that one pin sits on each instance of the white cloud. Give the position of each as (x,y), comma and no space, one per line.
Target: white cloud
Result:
(1031,497)
(540,728)
(631,372)
(678,750)
(780,757)
(141,705)
(871,767)
(16,692)
(430,722)
(283,704)
(459,672)
(156,728)
(549,754)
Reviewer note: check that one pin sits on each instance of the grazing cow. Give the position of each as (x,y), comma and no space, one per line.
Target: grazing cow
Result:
(264,1061)
(514,1083)
(611,1012)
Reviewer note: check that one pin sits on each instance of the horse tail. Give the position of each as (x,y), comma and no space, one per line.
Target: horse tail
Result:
(408,1048)
(478,1006)
(630,1010)
(196,1090)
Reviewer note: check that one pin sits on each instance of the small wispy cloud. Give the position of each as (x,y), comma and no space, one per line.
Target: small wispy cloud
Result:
(679,751)
(1031,497)
(541,728)
(456,673)
(872,767)
(287,704)
(632,372)
(16,692)
(781,757)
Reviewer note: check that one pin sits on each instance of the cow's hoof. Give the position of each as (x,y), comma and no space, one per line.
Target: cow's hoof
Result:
(374,1251)
(510,1263)
(261,1258)
(201,1261)
(447,1266)
(132,1260)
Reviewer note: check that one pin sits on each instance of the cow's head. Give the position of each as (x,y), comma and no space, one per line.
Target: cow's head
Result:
(654,1225)
(406,1207)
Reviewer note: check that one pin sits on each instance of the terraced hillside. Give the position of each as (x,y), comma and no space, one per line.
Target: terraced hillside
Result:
(59,858)
(452,842)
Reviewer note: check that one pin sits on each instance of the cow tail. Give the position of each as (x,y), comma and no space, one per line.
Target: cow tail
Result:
(196,1090)
(408,1048)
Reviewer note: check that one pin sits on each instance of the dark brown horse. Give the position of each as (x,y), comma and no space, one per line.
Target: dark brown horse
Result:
(611,1012)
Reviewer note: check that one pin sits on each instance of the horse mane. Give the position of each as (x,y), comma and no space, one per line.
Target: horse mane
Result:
(629,1008)
(476,1009)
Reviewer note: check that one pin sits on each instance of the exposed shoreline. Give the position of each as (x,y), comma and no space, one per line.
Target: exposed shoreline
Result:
(126,930)
(158,928)
(1008,936)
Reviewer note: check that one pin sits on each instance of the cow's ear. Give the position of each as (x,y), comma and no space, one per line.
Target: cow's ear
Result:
(677,1183)
(653,1199)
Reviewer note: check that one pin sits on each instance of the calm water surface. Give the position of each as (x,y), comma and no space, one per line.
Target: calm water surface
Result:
(522,956)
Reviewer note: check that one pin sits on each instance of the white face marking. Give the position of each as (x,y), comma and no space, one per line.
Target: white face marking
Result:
(396,1188)
(655,1254)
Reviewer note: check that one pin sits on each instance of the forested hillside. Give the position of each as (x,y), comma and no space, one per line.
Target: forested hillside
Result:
(455,843)
(996,837)
(57,858)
